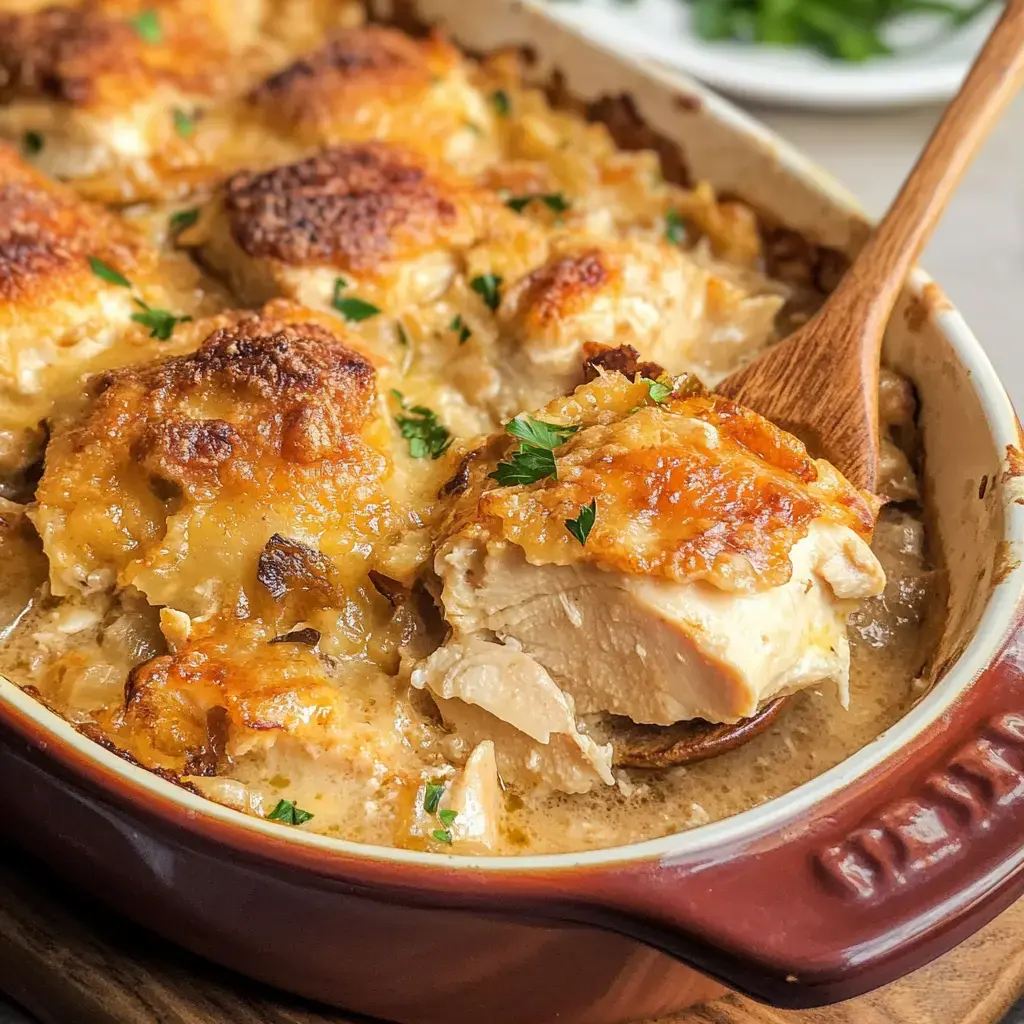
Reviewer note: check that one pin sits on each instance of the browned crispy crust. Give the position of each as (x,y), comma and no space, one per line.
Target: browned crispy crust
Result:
(562,287)
(60,52)
(297,380)
(351,206)
(668,503)
(91,56)
(353,66)
(46,233)
(624,359)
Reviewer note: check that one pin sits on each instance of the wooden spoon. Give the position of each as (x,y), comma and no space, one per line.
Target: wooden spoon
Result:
(668,746)
(821,383)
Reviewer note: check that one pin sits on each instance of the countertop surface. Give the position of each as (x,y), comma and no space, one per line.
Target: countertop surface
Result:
(977,254)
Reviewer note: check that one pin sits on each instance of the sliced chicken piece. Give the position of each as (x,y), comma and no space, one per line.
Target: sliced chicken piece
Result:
(494,691)
(475,798)
(716,574)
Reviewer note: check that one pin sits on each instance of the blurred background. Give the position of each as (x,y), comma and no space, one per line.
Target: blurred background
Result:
(858,85)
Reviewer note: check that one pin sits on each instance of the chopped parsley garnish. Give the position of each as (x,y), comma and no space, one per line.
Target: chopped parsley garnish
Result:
(425,435)
(182,219)
(403,338)
(501,103)
(554,201)
(287,812)
(458,325)
(675,227)
(534,459)
(432,796)
(657,390)
(147,26)
(539,433)
(32,143)
(184,124)
(351,308)
(474,127)
(447,817)
(161,322)
(581,526)
(488,287)
(108,273)
(442,835)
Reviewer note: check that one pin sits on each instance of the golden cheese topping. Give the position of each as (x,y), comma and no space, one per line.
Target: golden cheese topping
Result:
(111,92)
(378,83)
(684,487)
(180,471)
(64,304)
(371,213)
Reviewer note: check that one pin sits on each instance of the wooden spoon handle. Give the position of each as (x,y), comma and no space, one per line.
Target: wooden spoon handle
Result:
(869,290)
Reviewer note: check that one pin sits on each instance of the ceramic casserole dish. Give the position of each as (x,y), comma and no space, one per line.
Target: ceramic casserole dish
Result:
(848,882)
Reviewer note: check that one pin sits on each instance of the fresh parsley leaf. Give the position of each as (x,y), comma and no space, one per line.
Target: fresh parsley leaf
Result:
(351,309)
(182,219)
(501,103)
(108,273)
(161,322)
(657,390)
(534,460)
(32,143)
(488,287)
(554,201)
(539,433)
(581,526)
(432,796)
(425,435)
(442,835)
(526,466)
(447,817)
(459,326)
(147,26)
(403,338)
(184,124)
(287,812)
(675,227)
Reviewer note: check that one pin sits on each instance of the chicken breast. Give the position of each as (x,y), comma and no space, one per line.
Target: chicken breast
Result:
(475,800)
(657,556)
(651,296)
(80,290)
(378,83)
(359,221)
(178,473)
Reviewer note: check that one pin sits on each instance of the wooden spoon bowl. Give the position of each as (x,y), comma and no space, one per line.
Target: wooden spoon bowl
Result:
(669,746)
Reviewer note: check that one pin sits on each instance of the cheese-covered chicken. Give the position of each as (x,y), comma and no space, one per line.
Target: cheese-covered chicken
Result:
(79,290)
(179,473)
(112,92)
(378,83)
(364,222)
(659,556)
(672,308)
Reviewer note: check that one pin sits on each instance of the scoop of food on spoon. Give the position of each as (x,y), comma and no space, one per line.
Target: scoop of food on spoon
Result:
(821,383)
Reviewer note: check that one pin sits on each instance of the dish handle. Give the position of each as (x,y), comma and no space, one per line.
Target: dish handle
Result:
(866,886)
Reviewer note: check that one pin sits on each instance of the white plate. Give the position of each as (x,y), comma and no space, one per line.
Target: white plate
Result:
(927,67)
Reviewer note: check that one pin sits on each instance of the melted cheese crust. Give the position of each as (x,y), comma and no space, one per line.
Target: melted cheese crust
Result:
(178,472)
(58,317)
(689,488)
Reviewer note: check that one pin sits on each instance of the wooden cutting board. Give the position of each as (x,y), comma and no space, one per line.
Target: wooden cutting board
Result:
(68,961)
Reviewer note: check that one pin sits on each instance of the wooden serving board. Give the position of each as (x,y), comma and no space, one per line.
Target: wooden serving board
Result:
(68,961)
